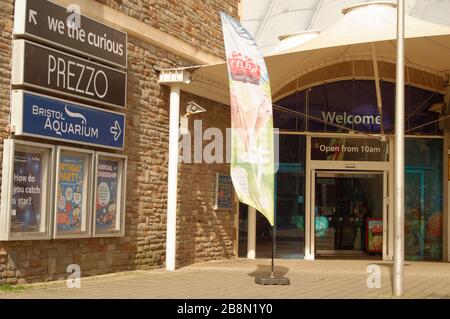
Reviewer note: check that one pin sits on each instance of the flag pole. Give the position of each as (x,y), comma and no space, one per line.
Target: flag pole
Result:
(272,280)
(251,140)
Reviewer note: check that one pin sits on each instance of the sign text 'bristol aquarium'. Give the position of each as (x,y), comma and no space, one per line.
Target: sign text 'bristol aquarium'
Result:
(41,116)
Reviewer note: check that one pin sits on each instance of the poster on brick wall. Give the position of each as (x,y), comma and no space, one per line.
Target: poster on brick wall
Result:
(26,189)
(224,192)
(72,192)
(26,197)
(109,194)
(106,201)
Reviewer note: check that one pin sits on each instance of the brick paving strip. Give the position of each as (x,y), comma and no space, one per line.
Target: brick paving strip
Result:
(234,278)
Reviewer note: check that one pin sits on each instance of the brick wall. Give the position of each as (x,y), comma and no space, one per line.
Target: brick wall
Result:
(196,22)
(202,233)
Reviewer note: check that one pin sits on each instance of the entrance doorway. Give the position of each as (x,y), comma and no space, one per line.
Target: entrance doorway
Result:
(349,213)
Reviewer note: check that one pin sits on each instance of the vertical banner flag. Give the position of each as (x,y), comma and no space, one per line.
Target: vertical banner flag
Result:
(252,146)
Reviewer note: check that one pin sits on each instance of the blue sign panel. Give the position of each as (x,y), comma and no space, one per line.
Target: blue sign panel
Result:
(46,117)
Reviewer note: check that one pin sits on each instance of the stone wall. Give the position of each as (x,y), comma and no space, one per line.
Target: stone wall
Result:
(196,22)
(6,24)
(203,233)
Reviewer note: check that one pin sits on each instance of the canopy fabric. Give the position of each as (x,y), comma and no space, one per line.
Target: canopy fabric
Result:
(362,28)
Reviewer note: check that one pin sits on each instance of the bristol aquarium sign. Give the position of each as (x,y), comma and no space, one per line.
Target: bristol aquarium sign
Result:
(38,115)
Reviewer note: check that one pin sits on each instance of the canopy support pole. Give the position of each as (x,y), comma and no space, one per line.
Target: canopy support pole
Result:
(399,169)
(172,183)
(173,78)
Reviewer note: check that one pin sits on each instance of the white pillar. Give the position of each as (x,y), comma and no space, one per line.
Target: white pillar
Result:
(251,233)
(399,169)
(172,183)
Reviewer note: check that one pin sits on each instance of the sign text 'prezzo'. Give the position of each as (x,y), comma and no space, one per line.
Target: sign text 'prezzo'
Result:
(67,74)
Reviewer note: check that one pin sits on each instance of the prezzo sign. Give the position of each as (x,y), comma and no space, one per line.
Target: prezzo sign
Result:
(54,71)
(48,22)
(41,116)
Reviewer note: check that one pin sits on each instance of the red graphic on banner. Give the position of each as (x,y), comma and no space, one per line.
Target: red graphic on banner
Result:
(244,69)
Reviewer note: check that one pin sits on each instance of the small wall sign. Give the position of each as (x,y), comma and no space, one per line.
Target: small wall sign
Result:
(224,192)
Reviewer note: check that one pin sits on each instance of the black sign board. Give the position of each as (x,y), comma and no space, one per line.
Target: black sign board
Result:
(348,149)
(224,192)
(44,21)
(38,67)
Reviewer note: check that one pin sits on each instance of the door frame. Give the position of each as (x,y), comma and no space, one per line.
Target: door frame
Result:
(311,166)
(315,174)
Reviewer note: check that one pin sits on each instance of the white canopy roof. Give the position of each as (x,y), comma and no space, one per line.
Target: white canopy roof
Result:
(351,38)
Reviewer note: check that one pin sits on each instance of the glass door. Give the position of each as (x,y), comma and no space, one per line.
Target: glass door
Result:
(345,204)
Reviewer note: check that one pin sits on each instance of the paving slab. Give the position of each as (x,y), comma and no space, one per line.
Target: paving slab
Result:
(234,278)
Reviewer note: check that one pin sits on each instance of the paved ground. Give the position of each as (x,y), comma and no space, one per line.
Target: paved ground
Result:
(235,279)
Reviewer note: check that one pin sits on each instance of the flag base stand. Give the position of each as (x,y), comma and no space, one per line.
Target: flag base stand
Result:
(280,281)
(272,280)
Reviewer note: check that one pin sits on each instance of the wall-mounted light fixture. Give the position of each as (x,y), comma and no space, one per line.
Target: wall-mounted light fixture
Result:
(191,109)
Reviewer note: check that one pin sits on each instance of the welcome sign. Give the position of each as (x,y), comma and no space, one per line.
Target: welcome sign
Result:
(40,116)
(350,119)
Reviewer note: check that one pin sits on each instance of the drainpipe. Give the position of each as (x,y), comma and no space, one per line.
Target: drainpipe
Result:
(174,78)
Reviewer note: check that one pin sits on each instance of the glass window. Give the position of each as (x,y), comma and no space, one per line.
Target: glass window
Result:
(286,120)
(290,210)
(292,148)
(243,230)
(366,106)
(316,105)
(338,105)
(388,105)
(423,199)
(353,104)
(418,111)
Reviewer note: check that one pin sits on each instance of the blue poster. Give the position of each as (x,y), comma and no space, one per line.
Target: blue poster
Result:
(26,193)
(106,201)
(70,193)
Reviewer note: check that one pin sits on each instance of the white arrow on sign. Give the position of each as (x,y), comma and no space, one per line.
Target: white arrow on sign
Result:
(116,130)
(32,16)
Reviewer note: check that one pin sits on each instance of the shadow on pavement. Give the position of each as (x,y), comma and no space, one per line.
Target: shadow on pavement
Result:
(264,270)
